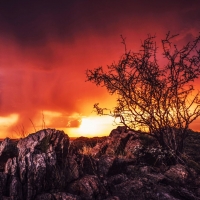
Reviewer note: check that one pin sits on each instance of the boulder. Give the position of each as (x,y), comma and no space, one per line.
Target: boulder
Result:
(177,173)
(56,196)
(88,187)
(119,130)
(130,189)
(124,144)
(112,181)
(72,172)
(77,165)
(40,163)
(104,164)
(113,198)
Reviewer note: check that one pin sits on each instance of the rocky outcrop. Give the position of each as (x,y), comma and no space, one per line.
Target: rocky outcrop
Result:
(39,165)
(8,149)
(124,165)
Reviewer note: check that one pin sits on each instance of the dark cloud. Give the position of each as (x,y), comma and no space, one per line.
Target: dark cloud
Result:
(33,22)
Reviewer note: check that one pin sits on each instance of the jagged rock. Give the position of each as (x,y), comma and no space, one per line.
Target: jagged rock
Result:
(99,149)
(113,198)
(15,188)
(73,170)
(3,180)
(165,196)
(131,170)
(56,196)
(133,147)
(156,177)
(119,130)
(115,180)
(8,149)
(145,169)
(119,166)
(11,166)
(116,145)
(64,196)
(88,187)
(44,196)
(112,165)
(177,173)
(104,164)
(88,165)
(44,141)
(78,165)
(40,163)
(131,189)
(183,193)
(125,143)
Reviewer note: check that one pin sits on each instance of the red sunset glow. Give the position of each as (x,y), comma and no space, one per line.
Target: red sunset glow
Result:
(46,47)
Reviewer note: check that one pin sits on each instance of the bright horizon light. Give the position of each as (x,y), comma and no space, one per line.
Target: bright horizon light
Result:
(87,126)
(6,122)
(92,126)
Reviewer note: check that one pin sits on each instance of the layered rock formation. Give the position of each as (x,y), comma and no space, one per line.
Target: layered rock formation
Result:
(125,165)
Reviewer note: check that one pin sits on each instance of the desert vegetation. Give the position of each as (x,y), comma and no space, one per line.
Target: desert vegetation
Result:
(156,96)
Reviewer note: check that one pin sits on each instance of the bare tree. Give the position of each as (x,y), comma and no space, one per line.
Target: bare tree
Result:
(161,100)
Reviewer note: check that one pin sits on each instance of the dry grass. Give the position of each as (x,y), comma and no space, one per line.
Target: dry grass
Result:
(86,150)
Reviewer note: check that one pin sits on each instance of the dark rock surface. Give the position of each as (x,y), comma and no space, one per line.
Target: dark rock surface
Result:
(124,165)
(8,149)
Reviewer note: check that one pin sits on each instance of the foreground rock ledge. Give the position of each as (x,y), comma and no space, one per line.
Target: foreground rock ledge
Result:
(125,165)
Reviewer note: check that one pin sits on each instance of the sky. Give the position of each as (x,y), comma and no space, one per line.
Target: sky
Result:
(46,47)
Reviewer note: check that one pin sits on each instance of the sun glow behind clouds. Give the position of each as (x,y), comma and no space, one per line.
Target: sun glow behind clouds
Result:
(88,126)
(6,122)
(92,126)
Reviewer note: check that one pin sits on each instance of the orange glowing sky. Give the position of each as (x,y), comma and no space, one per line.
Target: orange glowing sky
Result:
(46,47)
